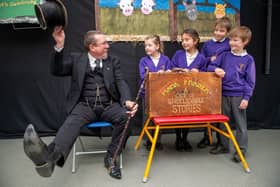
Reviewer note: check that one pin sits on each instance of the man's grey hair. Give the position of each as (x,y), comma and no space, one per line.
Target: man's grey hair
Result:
(90,38)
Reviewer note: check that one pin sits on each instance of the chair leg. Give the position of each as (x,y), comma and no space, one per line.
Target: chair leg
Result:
(149,162)
(137,144)
(77,153)
(121,164)
(209,134)
(237,148)
(74,159)
(82,144)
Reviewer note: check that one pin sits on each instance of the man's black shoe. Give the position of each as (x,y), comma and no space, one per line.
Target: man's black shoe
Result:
(159,146)
(148,145)
(219,150)
(37,151)
(114,170)
(187,146)
(203,143)
(179,145)
(236,158)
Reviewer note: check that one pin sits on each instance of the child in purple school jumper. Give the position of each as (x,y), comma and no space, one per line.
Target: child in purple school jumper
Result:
(211,49)
(238,73)
(188,59)
(155,61)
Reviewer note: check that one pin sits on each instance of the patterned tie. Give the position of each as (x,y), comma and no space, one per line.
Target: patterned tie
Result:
(98,65)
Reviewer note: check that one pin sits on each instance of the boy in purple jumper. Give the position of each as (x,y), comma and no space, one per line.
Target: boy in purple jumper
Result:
(238,73)
(220,42)
(188,59)
(211,49)
(155,61)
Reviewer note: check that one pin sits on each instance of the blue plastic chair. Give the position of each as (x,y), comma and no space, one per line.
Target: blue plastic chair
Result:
(99,124)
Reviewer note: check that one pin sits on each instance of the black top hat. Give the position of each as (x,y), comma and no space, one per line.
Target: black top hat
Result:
(51,13)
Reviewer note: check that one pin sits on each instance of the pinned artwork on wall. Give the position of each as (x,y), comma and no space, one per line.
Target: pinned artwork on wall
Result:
(191,10)
(147,6)
(220,10)
(126,7)
(133,20)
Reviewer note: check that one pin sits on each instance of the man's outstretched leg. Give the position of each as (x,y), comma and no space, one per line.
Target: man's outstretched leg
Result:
(46,157)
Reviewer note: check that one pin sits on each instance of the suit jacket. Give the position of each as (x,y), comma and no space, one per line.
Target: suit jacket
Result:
(75,65)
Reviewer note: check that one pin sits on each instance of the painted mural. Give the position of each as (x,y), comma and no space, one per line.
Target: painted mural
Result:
(132,20)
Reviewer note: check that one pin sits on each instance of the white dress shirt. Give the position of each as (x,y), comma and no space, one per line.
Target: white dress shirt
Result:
(92,62)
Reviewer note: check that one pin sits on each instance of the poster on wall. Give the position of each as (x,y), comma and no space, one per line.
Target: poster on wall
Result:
(18,11)
(132,20)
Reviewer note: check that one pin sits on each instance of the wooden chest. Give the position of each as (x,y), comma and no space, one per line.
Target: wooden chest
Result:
(188,93)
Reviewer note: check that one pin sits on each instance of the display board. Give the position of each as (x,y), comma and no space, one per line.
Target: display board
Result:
(18,11)
(189,93)
(132,20)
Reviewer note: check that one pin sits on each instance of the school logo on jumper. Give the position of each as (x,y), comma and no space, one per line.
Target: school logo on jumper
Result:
(241,67)
(220,10)
(191,10)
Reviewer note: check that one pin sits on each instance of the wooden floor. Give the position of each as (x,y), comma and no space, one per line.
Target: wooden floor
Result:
(169,167)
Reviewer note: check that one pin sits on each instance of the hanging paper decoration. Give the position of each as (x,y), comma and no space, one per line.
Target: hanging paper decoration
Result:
(220,10)
(191,10)
(147,6)
(126,7)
